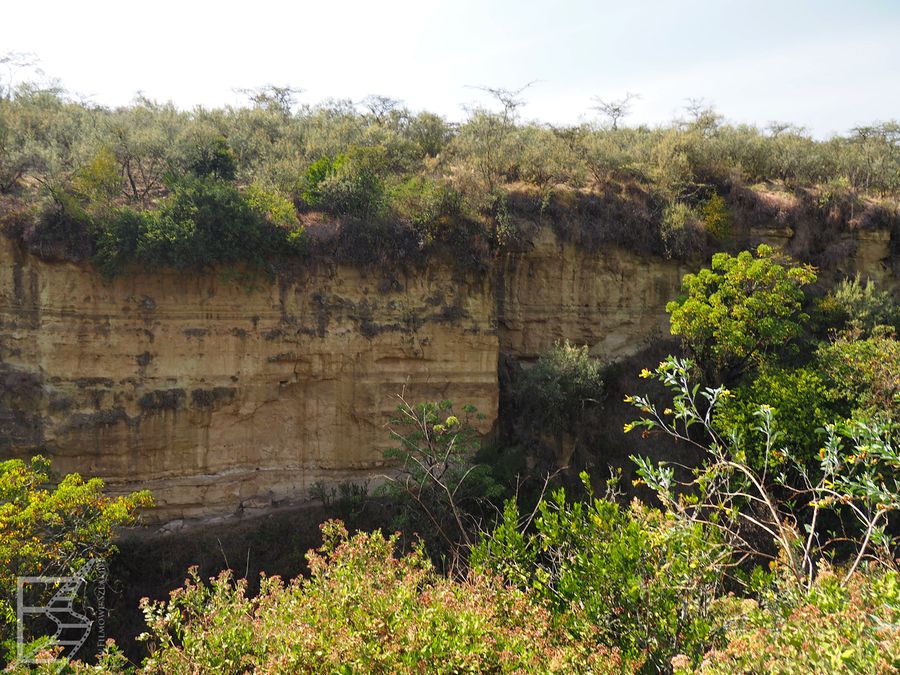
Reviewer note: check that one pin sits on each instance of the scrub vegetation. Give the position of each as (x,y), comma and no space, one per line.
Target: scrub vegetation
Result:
(149,185)
(774,550)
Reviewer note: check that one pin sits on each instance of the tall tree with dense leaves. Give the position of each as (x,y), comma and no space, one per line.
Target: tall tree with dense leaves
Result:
(741,310)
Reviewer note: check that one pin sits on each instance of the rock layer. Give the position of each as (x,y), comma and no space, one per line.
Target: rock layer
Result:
(228,391)
(221,392)
(612,300)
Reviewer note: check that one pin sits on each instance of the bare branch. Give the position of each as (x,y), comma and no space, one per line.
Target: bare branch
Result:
(615,110)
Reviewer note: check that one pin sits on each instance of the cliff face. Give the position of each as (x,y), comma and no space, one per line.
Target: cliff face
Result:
(226,392)
(612,300)
(223,392)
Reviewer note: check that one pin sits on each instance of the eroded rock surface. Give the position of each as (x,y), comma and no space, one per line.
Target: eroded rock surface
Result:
(611,300)
(226,392)
(223,391)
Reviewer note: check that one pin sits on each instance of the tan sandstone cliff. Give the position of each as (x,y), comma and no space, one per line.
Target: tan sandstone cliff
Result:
(224,392)
(612,300)
(220,392)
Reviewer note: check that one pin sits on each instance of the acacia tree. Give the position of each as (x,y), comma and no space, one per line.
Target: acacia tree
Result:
(143,137)
(12,62)
(615,110)
(381,107)
(876,151)
(704,117)
(280,99)
(489,138)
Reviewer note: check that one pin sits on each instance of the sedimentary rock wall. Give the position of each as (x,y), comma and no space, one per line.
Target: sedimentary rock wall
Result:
(611,300)
(614,300)
(229,391)
(222,391)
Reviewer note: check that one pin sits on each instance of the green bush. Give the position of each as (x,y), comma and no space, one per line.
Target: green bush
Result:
(119,239)
(775,513)
(441,491)
(52,530)
(279,211)
(834,628)
(203,222)
(316,173)
(631,577)
(349,185)
(64,229)
(275,207)
(645,193)
(742,310)
(865,371)
(362,609)
(548,160)
(716,219)
(436,216)
(861,306)
(803,401)
(99,180)
(214,159)
(426,203)
(490,148)
(430,133)
(554,393)
(681,231)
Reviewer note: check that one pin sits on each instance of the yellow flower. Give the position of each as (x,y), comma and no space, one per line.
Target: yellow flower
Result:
(629,399)
(645,373)
(667,411)
(628,427)
(821,453)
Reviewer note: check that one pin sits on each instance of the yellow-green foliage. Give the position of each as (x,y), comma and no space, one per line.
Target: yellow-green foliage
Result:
(364,609)
(552,395)
(643,178)
(53,531)
(428,204)
(834,628)
(865,371)
(277,208)
(860,306)
(742,309)
(634,578)
(99,180)
(205,221)
(803,402)
(716,218)
(680,230)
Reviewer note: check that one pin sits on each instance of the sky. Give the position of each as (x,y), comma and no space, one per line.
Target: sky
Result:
(827,65)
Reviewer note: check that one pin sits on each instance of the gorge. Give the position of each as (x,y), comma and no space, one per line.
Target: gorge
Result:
(230,392)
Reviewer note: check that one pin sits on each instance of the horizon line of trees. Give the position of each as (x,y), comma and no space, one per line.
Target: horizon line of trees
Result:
(74,176)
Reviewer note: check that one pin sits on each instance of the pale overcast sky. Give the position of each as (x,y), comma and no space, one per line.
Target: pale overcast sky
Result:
(825,64)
